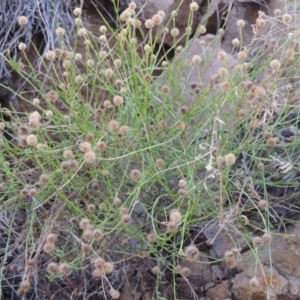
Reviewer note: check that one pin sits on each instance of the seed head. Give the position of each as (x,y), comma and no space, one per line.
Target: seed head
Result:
(124,130)
(135,174)
(68,154)
(31,140)
(275,64)
(222,56)
(229,159)
(85,147)
(157,20)
(262,204)
(235,42)
(52,96)
(85,248)
(64,269)
(50,55)
(106,103)
(60,31)
(185,272)
(165,89)
(88,235)
(149,23)
(240,23)
(23,130)
(196,59)
(162,124)
(77,11)
(112,125)
(160,163)
(257,241)
(259,91)
(156,270)
(152,238)
(52,268)
(22,20)
(51,238)
(78,56)
(97,273)
(117,201)
(126,219)
(114,294)
(223,71)
(174,32)
(107,267)
(98,234)
(118,100)
(90,157)
(242,55)
(202,29)
(180,125)
(272,141)
(101,146)
(117,63)
(84,224)
(82,32)
(49,248)
(175,216)
(22,46)
(191,252)
(230,259)
(172,226)
(43,179)
(98,262)
(277,12)
(24,286)
(194,6)
(91,208)
(286,18)
(254,283)
(73,164)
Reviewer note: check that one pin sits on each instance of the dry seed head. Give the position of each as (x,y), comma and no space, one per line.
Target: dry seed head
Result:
(196,59)
(174,32)
(114,294)
(89,137)
(275,64)
(260,166)
(123,90)
(103,29)
(106,103)
(22,141)
(240,23)
(235,42)
(286,18)
(90,157)
(51,238)
(222,56)
(156,270)
(164,64)
(191,252)
(60,31)
(160,163)
(22,46)
(175,216)
(194,6)
(118,100)
(98,262)
(162,124)
(262,204)
(202,29)
(97,273)
(52,268)
(257,241)
(259,91)
(43,179)
(165,89)
(132,6)
(124,130)
(88,235)
(23,130)
(290,53)
(126,219)
(31,140)
(85,147)
(223,71)
(22,20)
(277,12)
(152,238)
(48,248)
(32,193)
(108,267)
(35,101)
(242,55)
(84,224)
(108,72)
(50,55)
(31,263)
(266,238)
(147,48)
(98,234)
(157,20)
(185,272)
(24,286)
(135,174)
(82,32)
(271,142)
(125,243)
(101,146)
(85,248)
(68,154)
(180,125)
(149,24)
(117,63)
(119,83)
(187,62)
(90,63)
(172,227)
(91,208)
(77,11)
(229,159)
(112,125)
(73,164)
(260,22)
(64,269)
(52,96)
(230,259)
(78,56)
(117,202)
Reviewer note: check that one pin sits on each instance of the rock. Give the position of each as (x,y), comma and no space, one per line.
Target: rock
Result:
(219,292)
(150,8)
